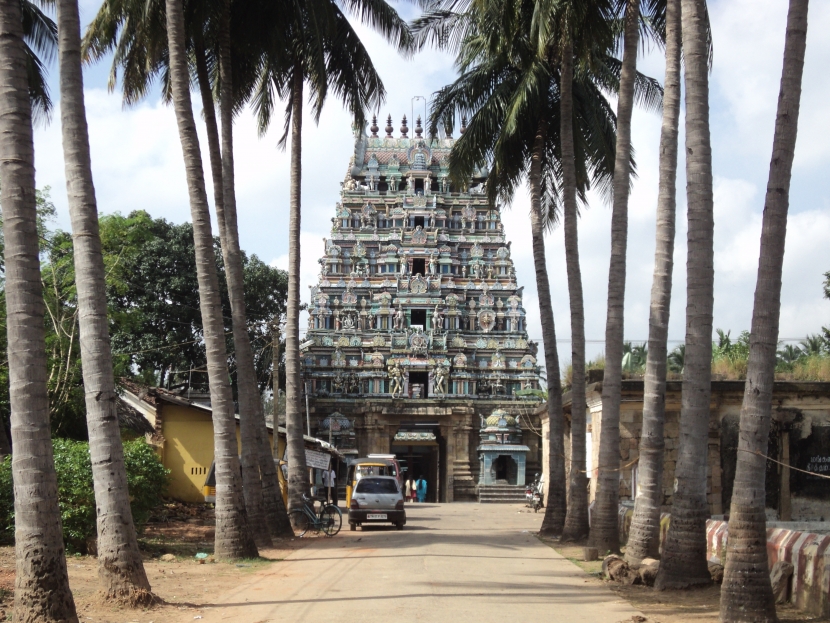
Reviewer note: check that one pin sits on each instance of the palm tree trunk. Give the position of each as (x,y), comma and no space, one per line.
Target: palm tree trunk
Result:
(233,537)
(684,554)
(604,532)
(251,417)
(644,535)
(576,520)
(120,568)
(295,452)
(556,497)
(275,515)
(41,588)
(746,594)
(212,128)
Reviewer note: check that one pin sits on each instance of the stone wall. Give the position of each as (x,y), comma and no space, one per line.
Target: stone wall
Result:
(800,437)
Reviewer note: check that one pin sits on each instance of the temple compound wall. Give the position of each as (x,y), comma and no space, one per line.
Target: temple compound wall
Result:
(417,332)
(797,485)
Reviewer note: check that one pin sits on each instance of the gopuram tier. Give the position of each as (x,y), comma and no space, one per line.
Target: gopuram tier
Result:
(416,328)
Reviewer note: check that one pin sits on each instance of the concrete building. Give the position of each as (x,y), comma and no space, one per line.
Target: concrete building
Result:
(180,428)
(416,326)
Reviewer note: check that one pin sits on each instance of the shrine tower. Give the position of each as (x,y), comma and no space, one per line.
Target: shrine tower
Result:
(416,325)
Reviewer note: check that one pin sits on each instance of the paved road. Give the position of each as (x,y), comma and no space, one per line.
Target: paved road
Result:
(452,563)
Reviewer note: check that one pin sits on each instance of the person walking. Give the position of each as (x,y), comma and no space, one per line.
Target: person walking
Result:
(409,490)
(421,487)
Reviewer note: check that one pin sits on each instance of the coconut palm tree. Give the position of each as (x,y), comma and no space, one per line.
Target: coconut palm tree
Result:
(576,518)
(532,45)
(644,535)
(40,42)
(250,404)
(141,51)
(746,594)
(120,567)
(604,530)
(684,553)
(233,537)
(41,581)
(586,25)
(321,48)
(508,88)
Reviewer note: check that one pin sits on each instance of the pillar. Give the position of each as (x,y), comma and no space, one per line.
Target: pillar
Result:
(448,433)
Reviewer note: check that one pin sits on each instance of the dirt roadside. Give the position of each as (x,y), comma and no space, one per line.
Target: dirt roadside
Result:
(185,585)
(699,605)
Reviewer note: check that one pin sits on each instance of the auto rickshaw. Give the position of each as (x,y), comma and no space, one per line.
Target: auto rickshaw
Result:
(368,467)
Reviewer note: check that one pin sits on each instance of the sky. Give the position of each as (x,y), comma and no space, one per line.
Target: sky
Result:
(137,164)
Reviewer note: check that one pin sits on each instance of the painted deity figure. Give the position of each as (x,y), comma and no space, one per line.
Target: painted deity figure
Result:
(433,264)
(338,383)
(399,319)
(437,320)
(403,263)
(348,321)
(441,374)
(395,380)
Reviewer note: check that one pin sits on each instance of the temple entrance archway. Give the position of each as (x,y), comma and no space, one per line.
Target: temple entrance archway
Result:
(422,451)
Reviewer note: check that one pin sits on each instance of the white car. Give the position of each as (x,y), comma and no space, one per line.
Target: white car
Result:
(377,499)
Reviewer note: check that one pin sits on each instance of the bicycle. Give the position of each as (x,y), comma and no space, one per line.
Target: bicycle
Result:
(329,521)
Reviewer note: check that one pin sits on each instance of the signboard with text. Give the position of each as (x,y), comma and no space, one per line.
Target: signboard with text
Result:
(317,460)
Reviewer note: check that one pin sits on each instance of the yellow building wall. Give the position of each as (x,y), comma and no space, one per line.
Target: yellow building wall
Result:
(188,450)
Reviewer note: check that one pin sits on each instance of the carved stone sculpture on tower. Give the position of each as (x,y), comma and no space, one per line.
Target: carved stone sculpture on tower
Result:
(437,320)
(441,374)
(395,379)
(399,319)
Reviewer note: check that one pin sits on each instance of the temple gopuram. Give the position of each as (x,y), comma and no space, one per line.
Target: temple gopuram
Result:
(417,334)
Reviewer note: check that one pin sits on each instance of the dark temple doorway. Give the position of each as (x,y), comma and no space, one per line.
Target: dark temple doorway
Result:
(418,266)
(420,450)
(505,470)
(418,384)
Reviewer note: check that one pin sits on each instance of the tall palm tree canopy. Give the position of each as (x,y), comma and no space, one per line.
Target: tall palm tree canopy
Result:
(40,34)
(506,85)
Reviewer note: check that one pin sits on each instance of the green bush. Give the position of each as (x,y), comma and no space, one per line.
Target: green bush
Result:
(146,481)
(75,495)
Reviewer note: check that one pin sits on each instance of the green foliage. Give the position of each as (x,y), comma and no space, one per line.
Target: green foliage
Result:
(676,359)
(634,358)
(153,297)
(6,500)
(76,497)
(146,480)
